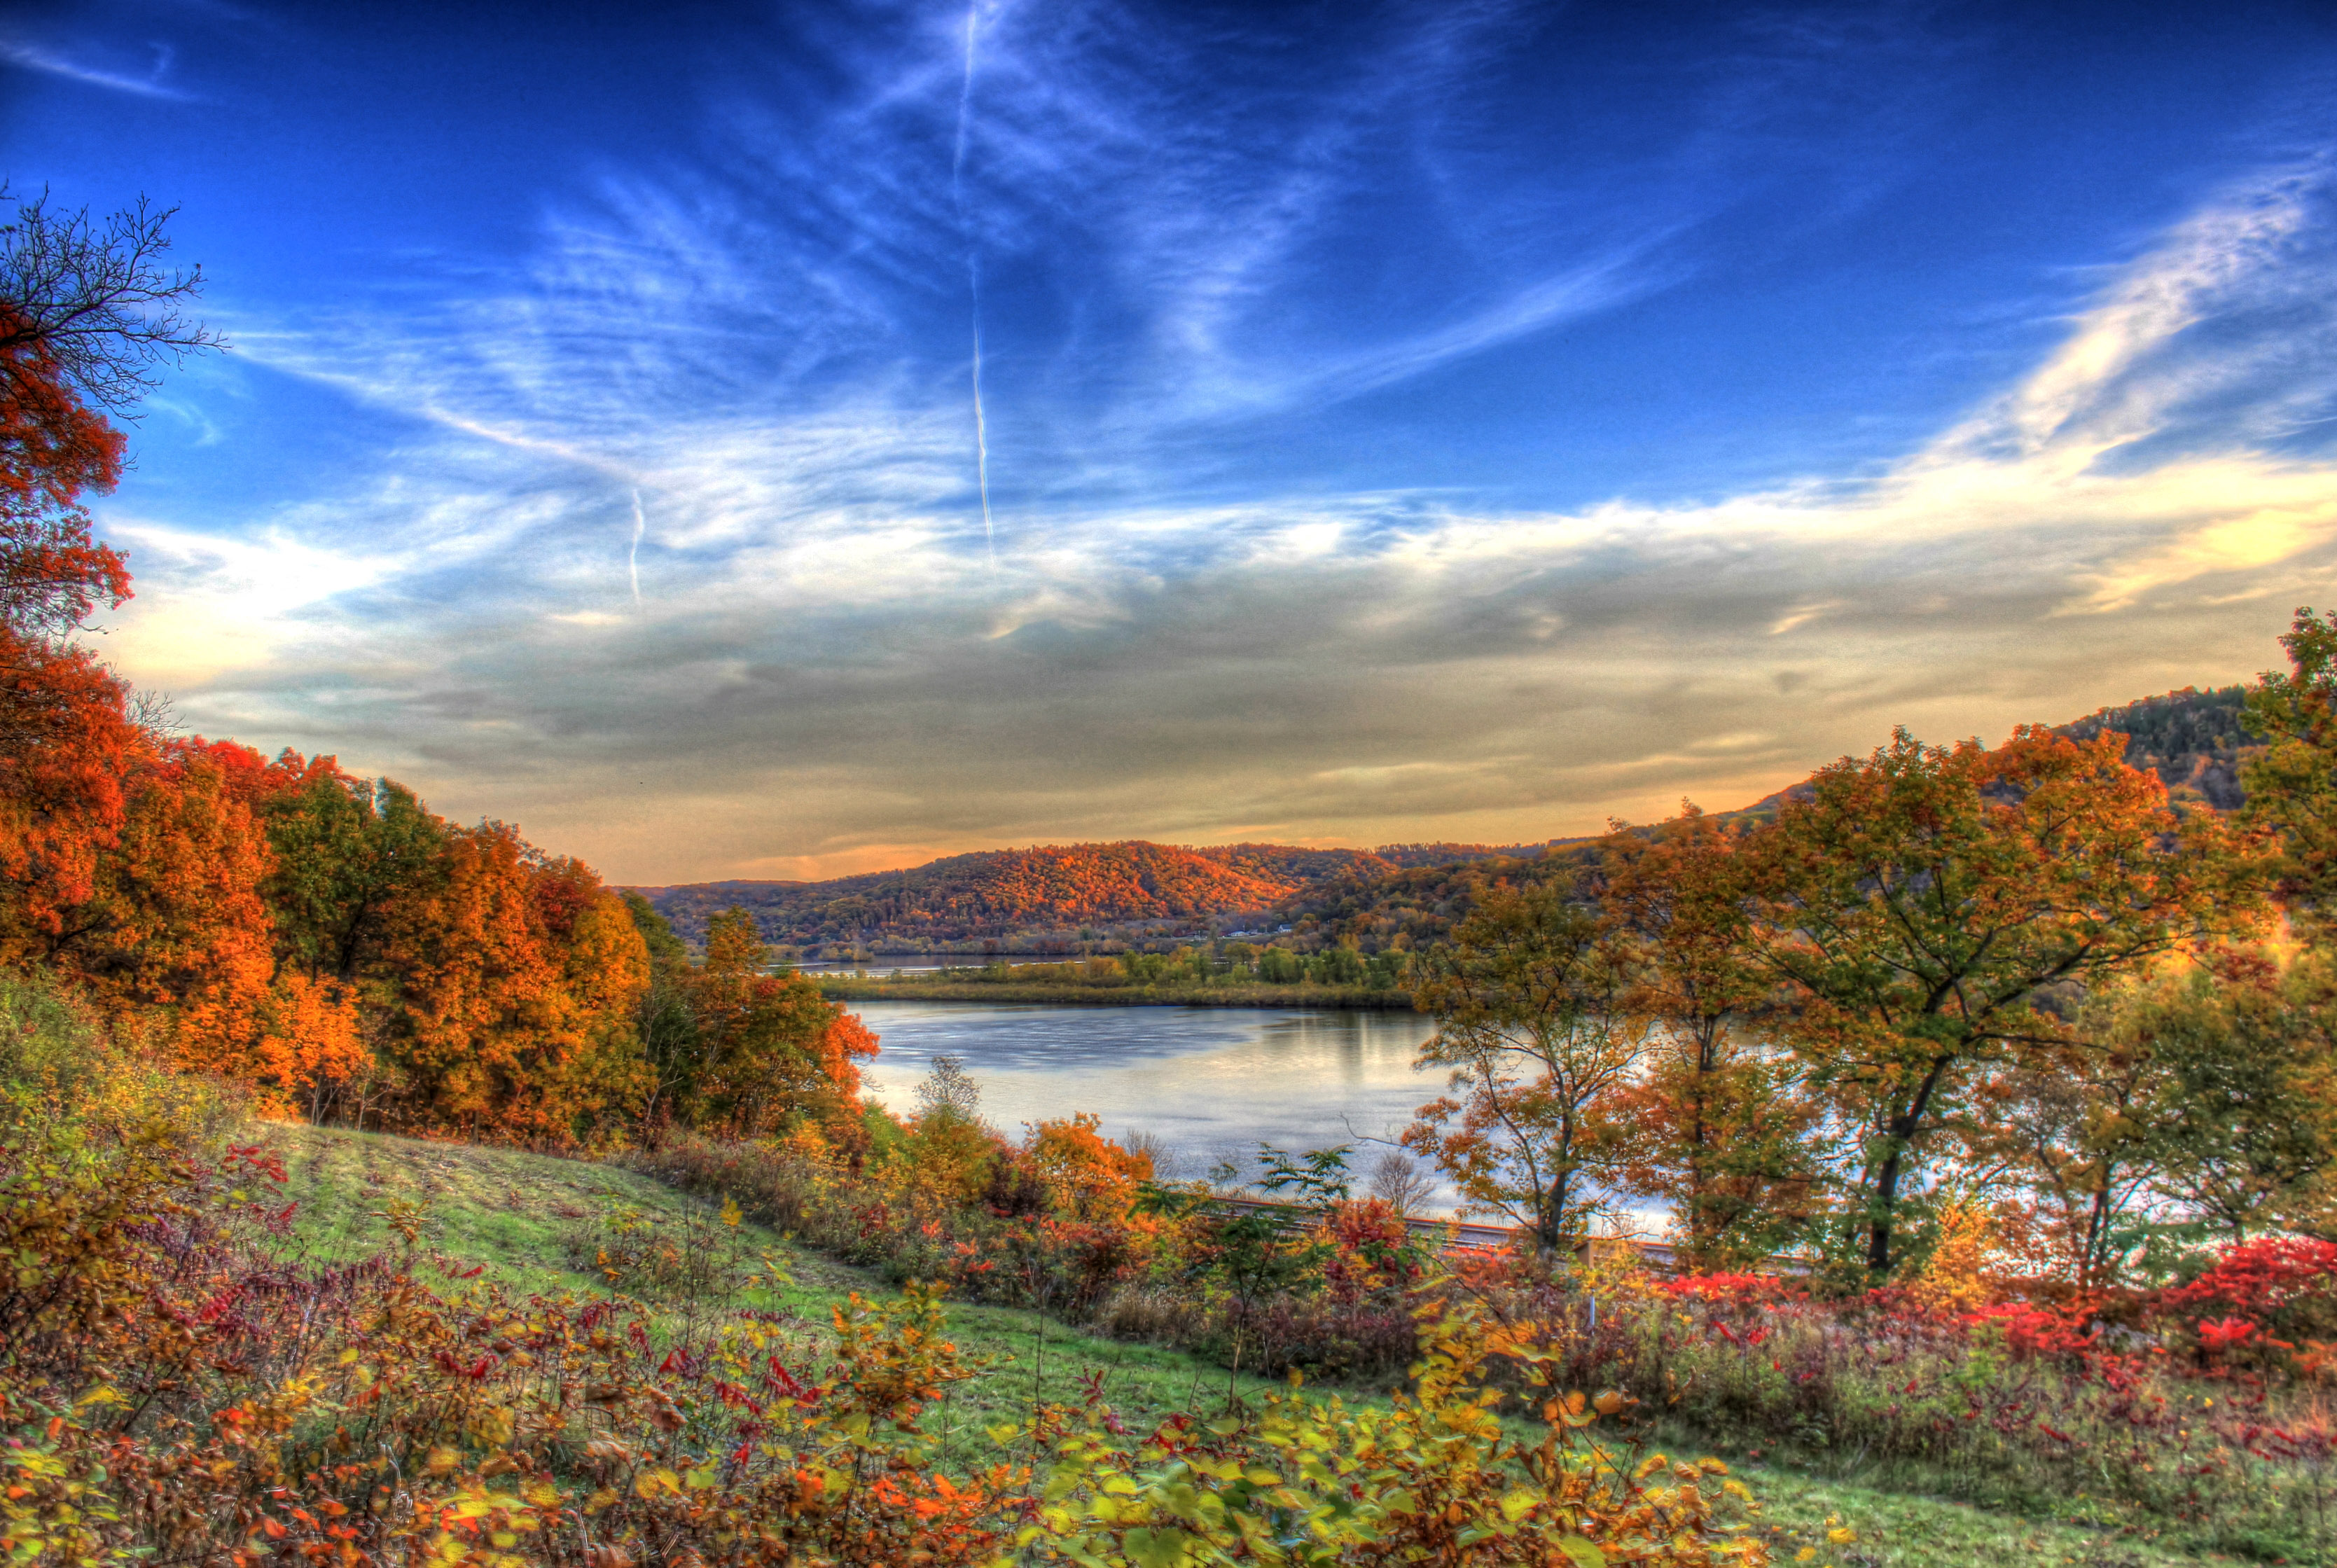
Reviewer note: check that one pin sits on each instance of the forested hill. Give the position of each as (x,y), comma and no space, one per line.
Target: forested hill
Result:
(1058,896)
(1048,894)
(2191,740)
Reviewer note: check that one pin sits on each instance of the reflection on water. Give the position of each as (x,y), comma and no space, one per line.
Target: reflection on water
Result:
(1210,1082)
(921,964)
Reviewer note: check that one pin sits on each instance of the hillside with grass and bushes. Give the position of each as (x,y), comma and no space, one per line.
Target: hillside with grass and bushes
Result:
(274,1342)
(238,1344)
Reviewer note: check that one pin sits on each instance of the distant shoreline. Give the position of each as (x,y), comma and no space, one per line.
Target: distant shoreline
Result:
(858,988)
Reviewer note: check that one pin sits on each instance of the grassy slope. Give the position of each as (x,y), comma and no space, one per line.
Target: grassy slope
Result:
(513,1211)
(853,988)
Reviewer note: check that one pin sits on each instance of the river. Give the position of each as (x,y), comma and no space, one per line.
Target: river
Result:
(1210,1083)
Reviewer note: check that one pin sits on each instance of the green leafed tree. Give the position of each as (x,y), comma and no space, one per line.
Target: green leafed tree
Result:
(2292,787)
(2240,1128)
(346,851)
(1915,903)
(1533,1025)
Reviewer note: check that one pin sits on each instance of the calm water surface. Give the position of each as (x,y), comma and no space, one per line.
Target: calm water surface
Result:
(1210,1082)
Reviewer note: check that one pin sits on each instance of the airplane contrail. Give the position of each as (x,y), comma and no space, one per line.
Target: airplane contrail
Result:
(633,556)
(973,276)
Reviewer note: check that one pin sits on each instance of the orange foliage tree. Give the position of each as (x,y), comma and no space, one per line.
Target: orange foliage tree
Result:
(67,746)
(483,1014)
(1716,1123)
(1087,1175)
(770,1050)
(1917,901)
(54,448)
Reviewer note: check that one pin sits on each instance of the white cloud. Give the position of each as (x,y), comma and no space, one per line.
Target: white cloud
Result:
(50,62)
(820,670)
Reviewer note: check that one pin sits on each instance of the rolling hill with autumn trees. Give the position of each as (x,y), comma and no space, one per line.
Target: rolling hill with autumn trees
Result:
(1049,895)
(1054,897)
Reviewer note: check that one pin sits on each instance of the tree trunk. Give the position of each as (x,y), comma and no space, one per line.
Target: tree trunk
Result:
(1902,1130)
(1546,1231)
(1886,1203)
(2094,1264)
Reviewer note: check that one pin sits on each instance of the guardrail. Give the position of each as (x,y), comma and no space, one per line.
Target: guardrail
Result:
(1464,1236)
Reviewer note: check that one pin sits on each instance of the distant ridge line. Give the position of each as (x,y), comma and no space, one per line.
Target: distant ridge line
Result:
(1071,897)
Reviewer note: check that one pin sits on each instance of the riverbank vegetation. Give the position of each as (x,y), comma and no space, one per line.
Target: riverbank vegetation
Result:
(1230,974)
(1991,1089)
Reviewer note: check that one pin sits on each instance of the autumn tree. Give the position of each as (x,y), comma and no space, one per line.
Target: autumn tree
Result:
(1086,1175)
(2292,786)
(175,917)
(771,1050)
(949,1151)
(1718,1119)
(1915,902)
(306,1044)
(1533,1021)
(78,328)
(89,313)
(2065,1134)
(2239,1127)
(54,450)
(508,980)
(67,751)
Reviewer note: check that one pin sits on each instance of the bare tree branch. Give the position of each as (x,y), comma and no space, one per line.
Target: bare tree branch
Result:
(98,298)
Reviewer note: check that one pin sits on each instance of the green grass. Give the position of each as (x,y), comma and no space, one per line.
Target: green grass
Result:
(1901,1530)
(514,1214)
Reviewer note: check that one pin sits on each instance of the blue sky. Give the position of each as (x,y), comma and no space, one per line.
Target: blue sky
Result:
(1401,421)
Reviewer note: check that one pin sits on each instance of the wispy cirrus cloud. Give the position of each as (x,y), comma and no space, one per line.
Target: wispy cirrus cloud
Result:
(683,527)
(52,61)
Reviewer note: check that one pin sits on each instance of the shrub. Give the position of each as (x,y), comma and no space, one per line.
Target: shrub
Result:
(2284,1285)
(173,1387)
(2013,1403)
(61,1070)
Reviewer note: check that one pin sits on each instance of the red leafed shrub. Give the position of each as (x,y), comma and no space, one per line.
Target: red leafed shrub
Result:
(2226,1333)
(1732,1288)
(2266,1278)
(1372,1251)
(2030,1330)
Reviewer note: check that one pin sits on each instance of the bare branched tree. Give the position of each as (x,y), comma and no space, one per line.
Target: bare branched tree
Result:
(949,1092)
(98,298)
(155,713)
(1402,1182)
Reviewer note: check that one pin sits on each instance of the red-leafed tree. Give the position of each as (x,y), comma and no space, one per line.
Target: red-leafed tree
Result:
(88,311)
